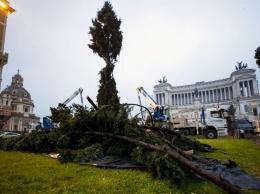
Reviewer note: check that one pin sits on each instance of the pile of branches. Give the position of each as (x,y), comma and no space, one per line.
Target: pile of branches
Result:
(88,134)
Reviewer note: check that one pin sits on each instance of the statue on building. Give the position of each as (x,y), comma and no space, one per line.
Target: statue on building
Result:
(241,66)
(230,119)
(162,81)
(196,92)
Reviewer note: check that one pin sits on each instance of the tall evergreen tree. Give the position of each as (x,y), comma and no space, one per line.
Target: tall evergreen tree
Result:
(107,42)
(257,56)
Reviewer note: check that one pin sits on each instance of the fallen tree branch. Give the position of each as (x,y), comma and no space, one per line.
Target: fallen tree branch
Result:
(217,180)
(170,131)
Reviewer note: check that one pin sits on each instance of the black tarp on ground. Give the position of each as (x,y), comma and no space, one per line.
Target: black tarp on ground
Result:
(230,171)
(227,170)
(118,162)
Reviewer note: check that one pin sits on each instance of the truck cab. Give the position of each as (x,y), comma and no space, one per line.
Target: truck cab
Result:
(216,123)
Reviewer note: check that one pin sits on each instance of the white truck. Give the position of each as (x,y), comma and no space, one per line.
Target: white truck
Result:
(215,124)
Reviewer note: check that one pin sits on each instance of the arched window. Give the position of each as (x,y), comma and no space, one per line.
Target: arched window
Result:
(26,109)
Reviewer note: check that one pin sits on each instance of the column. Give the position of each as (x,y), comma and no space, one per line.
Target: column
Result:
(222,94)
(231,92)
(163,102)
(243,89)
(248,88)
(255,87)
(238,89)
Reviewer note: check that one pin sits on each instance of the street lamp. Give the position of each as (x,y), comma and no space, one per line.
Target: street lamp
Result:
(196,107)
(4,6)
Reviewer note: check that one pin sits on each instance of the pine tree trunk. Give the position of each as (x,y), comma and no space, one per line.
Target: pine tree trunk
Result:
(217,180)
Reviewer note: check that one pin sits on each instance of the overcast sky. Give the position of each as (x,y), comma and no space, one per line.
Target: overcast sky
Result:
(185,40)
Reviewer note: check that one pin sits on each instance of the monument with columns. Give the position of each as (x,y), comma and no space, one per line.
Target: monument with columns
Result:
(240,89)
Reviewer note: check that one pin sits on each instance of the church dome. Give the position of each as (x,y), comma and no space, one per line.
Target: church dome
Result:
(16,89)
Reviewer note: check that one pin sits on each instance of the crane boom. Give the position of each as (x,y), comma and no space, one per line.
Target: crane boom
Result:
(79,91)
(149,99)
(158,111)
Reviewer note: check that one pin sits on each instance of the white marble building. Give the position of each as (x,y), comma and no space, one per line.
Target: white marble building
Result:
(240,89)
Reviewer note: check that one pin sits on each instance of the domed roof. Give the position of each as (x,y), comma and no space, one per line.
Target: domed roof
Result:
(16,88)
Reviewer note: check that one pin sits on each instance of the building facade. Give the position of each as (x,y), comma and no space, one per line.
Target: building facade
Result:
(16,107)
(5,10)
(240,89)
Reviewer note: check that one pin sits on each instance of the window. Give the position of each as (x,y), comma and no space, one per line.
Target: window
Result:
(215,114)
(246,108)
(26,109)
(255,111)
(243,124)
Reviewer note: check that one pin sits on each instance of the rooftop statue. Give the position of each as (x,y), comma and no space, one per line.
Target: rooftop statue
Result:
(241,66)
(162,81)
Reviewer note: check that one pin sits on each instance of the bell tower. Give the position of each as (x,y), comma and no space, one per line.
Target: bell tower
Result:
(5,10)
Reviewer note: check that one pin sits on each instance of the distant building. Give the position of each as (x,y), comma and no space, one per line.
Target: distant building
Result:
(16,107)
(240,89)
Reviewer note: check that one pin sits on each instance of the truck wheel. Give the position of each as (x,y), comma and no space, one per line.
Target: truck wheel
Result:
(242,135)
(211,134)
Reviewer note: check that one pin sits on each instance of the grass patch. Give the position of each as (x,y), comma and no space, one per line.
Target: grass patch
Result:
(31,173)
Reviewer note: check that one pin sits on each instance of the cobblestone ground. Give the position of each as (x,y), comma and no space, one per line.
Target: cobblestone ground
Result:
(254,138)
